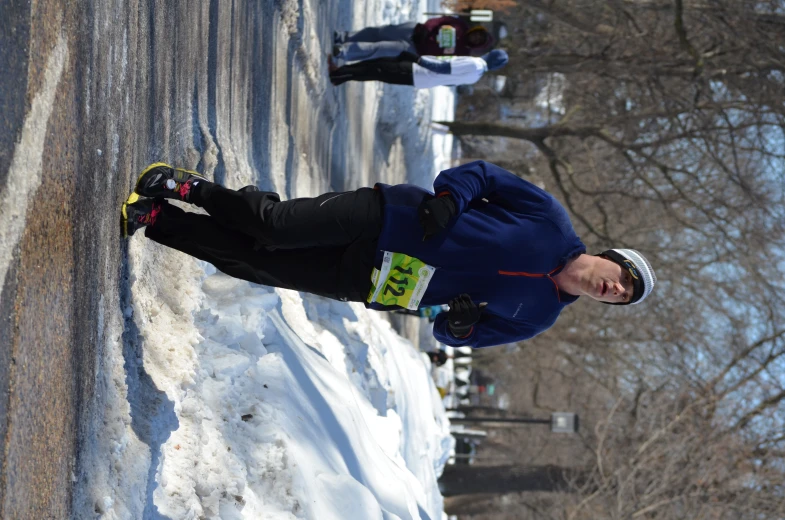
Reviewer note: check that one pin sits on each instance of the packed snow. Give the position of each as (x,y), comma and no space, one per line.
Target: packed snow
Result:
(287,405)
(225,399)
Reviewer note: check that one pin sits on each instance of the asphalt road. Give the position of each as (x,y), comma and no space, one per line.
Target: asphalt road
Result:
(90,93)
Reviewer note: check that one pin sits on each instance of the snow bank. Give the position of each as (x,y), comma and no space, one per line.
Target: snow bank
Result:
(222,399)
(250,402)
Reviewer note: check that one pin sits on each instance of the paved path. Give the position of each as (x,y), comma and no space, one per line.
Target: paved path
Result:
(90,93)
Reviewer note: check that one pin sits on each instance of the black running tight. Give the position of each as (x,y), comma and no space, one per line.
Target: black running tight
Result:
(397,71)
(324,245)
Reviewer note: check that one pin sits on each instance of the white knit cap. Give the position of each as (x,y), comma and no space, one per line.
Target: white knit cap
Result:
(639,268)
(644,268)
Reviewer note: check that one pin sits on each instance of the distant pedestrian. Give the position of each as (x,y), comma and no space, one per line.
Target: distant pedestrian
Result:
(439,357)
(422,72)
(442,36)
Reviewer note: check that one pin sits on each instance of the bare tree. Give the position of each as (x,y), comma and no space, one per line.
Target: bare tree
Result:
(667,454)
(667,137)
(465,479)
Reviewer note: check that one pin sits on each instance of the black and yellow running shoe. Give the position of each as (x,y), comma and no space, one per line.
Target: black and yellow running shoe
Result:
(159,180)
(137,213)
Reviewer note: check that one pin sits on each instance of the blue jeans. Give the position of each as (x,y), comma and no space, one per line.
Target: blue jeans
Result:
(370,43)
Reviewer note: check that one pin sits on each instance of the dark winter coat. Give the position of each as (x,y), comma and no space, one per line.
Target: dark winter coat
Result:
(507,241)
(425,35)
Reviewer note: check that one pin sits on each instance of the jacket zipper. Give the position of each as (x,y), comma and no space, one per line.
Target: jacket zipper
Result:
(535,275)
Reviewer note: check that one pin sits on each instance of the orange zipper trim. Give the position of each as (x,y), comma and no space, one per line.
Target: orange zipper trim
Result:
(521,273)
(530,275)
(535,275)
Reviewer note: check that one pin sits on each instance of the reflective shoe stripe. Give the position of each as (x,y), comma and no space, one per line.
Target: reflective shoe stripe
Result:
(125,222)
(132,198)
(154,165)
(179,176)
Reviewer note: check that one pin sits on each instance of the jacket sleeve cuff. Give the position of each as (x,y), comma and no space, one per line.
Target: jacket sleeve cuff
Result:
(468,334)
(463,336)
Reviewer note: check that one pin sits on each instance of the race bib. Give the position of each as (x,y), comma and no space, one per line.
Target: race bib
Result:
(446,37)
(401,281)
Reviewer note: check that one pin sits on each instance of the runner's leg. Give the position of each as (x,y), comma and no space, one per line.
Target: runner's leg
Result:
(402,31)
(334,272)
(362,51)
(331,219)
(387,70)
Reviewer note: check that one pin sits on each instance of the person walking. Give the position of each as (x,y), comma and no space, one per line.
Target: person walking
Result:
(460,355)
(442,36)
(420,72)
(500,251)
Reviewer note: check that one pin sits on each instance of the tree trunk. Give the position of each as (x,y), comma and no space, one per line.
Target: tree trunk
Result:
(459,128)
(479,411)
(465,479)
(470,505)
(534,135)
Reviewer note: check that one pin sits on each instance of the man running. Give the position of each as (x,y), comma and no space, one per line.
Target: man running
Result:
(499,250)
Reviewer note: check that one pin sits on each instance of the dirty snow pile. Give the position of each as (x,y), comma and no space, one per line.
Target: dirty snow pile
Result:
(224,399)
(238,401)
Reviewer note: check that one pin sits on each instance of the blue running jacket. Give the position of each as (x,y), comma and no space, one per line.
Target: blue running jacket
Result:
(505,243)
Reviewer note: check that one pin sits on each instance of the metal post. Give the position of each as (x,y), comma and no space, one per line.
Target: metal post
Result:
(522,420)
(560,422)
(476,15)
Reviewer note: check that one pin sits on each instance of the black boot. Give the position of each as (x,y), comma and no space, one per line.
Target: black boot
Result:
(159,180)
(138,213)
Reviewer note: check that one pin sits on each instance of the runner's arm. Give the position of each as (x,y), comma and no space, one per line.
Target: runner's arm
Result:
(480,179)
(489,331)
(434,65)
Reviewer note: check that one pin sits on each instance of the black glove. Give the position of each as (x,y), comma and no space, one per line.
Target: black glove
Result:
(463,314)
(438,357)
(408,56)
(435,213)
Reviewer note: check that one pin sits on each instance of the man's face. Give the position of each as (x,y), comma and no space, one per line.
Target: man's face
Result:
(608,282)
